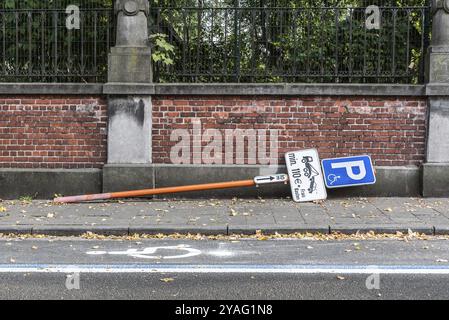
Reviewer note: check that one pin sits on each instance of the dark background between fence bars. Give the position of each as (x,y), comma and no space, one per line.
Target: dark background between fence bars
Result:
(253,41)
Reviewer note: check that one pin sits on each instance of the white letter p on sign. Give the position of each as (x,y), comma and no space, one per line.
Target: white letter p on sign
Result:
(349,166)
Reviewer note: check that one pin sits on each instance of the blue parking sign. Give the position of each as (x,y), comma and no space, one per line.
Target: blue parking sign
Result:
(348,172)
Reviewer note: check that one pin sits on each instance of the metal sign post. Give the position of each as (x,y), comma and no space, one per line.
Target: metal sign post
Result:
(171,190)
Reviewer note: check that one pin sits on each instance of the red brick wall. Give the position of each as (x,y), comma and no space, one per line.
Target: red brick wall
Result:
(52,132)
(70,131)
(392,130)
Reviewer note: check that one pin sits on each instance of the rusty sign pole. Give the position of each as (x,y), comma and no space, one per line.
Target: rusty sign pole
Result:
(280,178)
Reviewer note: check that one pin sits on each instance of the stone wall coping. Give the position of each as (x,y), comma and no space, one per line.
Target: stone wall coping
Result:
(223,89)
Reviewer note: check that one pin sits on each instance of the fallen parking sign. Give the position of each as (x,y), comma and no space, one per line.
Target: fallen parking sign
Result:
(306,178)
(348,172)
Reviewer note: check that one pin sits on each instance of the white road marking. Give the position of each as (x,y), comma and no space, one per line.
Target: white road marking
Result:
(229,269)
(221,253)
(149,253)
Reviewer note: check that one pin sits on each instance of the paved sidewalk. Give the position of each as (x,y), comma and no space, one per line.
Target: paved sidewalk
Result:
(382,215)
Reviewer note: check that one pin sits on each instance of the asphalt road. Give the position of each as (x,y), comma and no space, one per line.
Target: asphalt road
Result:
(181,269)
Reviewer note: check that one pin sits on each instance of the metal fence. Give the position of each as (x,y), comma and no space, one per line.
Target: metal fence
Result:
(316,44)
(224,44)
(54,4)
(37,46)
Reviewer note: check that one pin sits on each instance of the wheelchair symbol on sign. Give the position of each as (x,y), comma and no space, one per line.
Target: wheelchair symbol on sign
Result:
(333,179)
(150,253)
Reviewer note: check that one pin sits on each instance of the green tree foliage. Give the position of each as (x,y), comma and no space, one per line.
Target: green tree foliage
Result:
(292,41)
(223,41)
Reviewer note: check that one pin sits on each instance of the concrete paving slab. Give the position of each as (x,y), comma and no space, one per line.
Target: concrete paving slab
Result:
(217,216)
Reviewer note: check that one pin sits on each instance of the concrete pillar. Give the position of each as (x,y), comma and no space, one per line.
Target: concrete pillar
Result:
(130,59)
(129,104)
(436,169)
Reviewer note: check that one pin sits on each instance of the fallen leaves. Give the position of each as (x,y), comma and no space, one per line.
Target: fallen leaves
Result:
(214,203)
(2,209)
(233,213)
(167,280)
(260,236)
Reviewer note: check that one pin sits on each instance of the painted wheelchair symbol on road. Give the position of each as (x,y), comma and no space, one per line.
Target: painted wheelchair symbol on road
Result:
(150,253)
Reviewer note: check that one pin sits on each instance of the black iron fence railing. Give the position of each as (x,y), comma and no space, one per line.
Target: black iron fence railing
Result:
(230,44)
(318,44)
(36,45)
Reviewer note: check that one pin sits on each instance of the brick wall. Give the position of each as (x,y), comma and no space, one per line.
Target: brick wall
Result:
(52,132)
(70,131)
(393,131)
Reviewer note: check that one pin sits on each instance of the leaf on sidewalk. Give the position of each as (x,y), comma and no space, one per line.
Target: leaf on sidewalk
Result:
(214,203)
(167,280)
(2,209)
(260,236)
(233,213)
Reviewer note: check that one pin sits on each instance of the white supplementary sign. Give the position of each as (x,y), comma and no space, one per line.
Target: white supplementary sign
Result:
(306,178)
(150,253)
(277,178)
